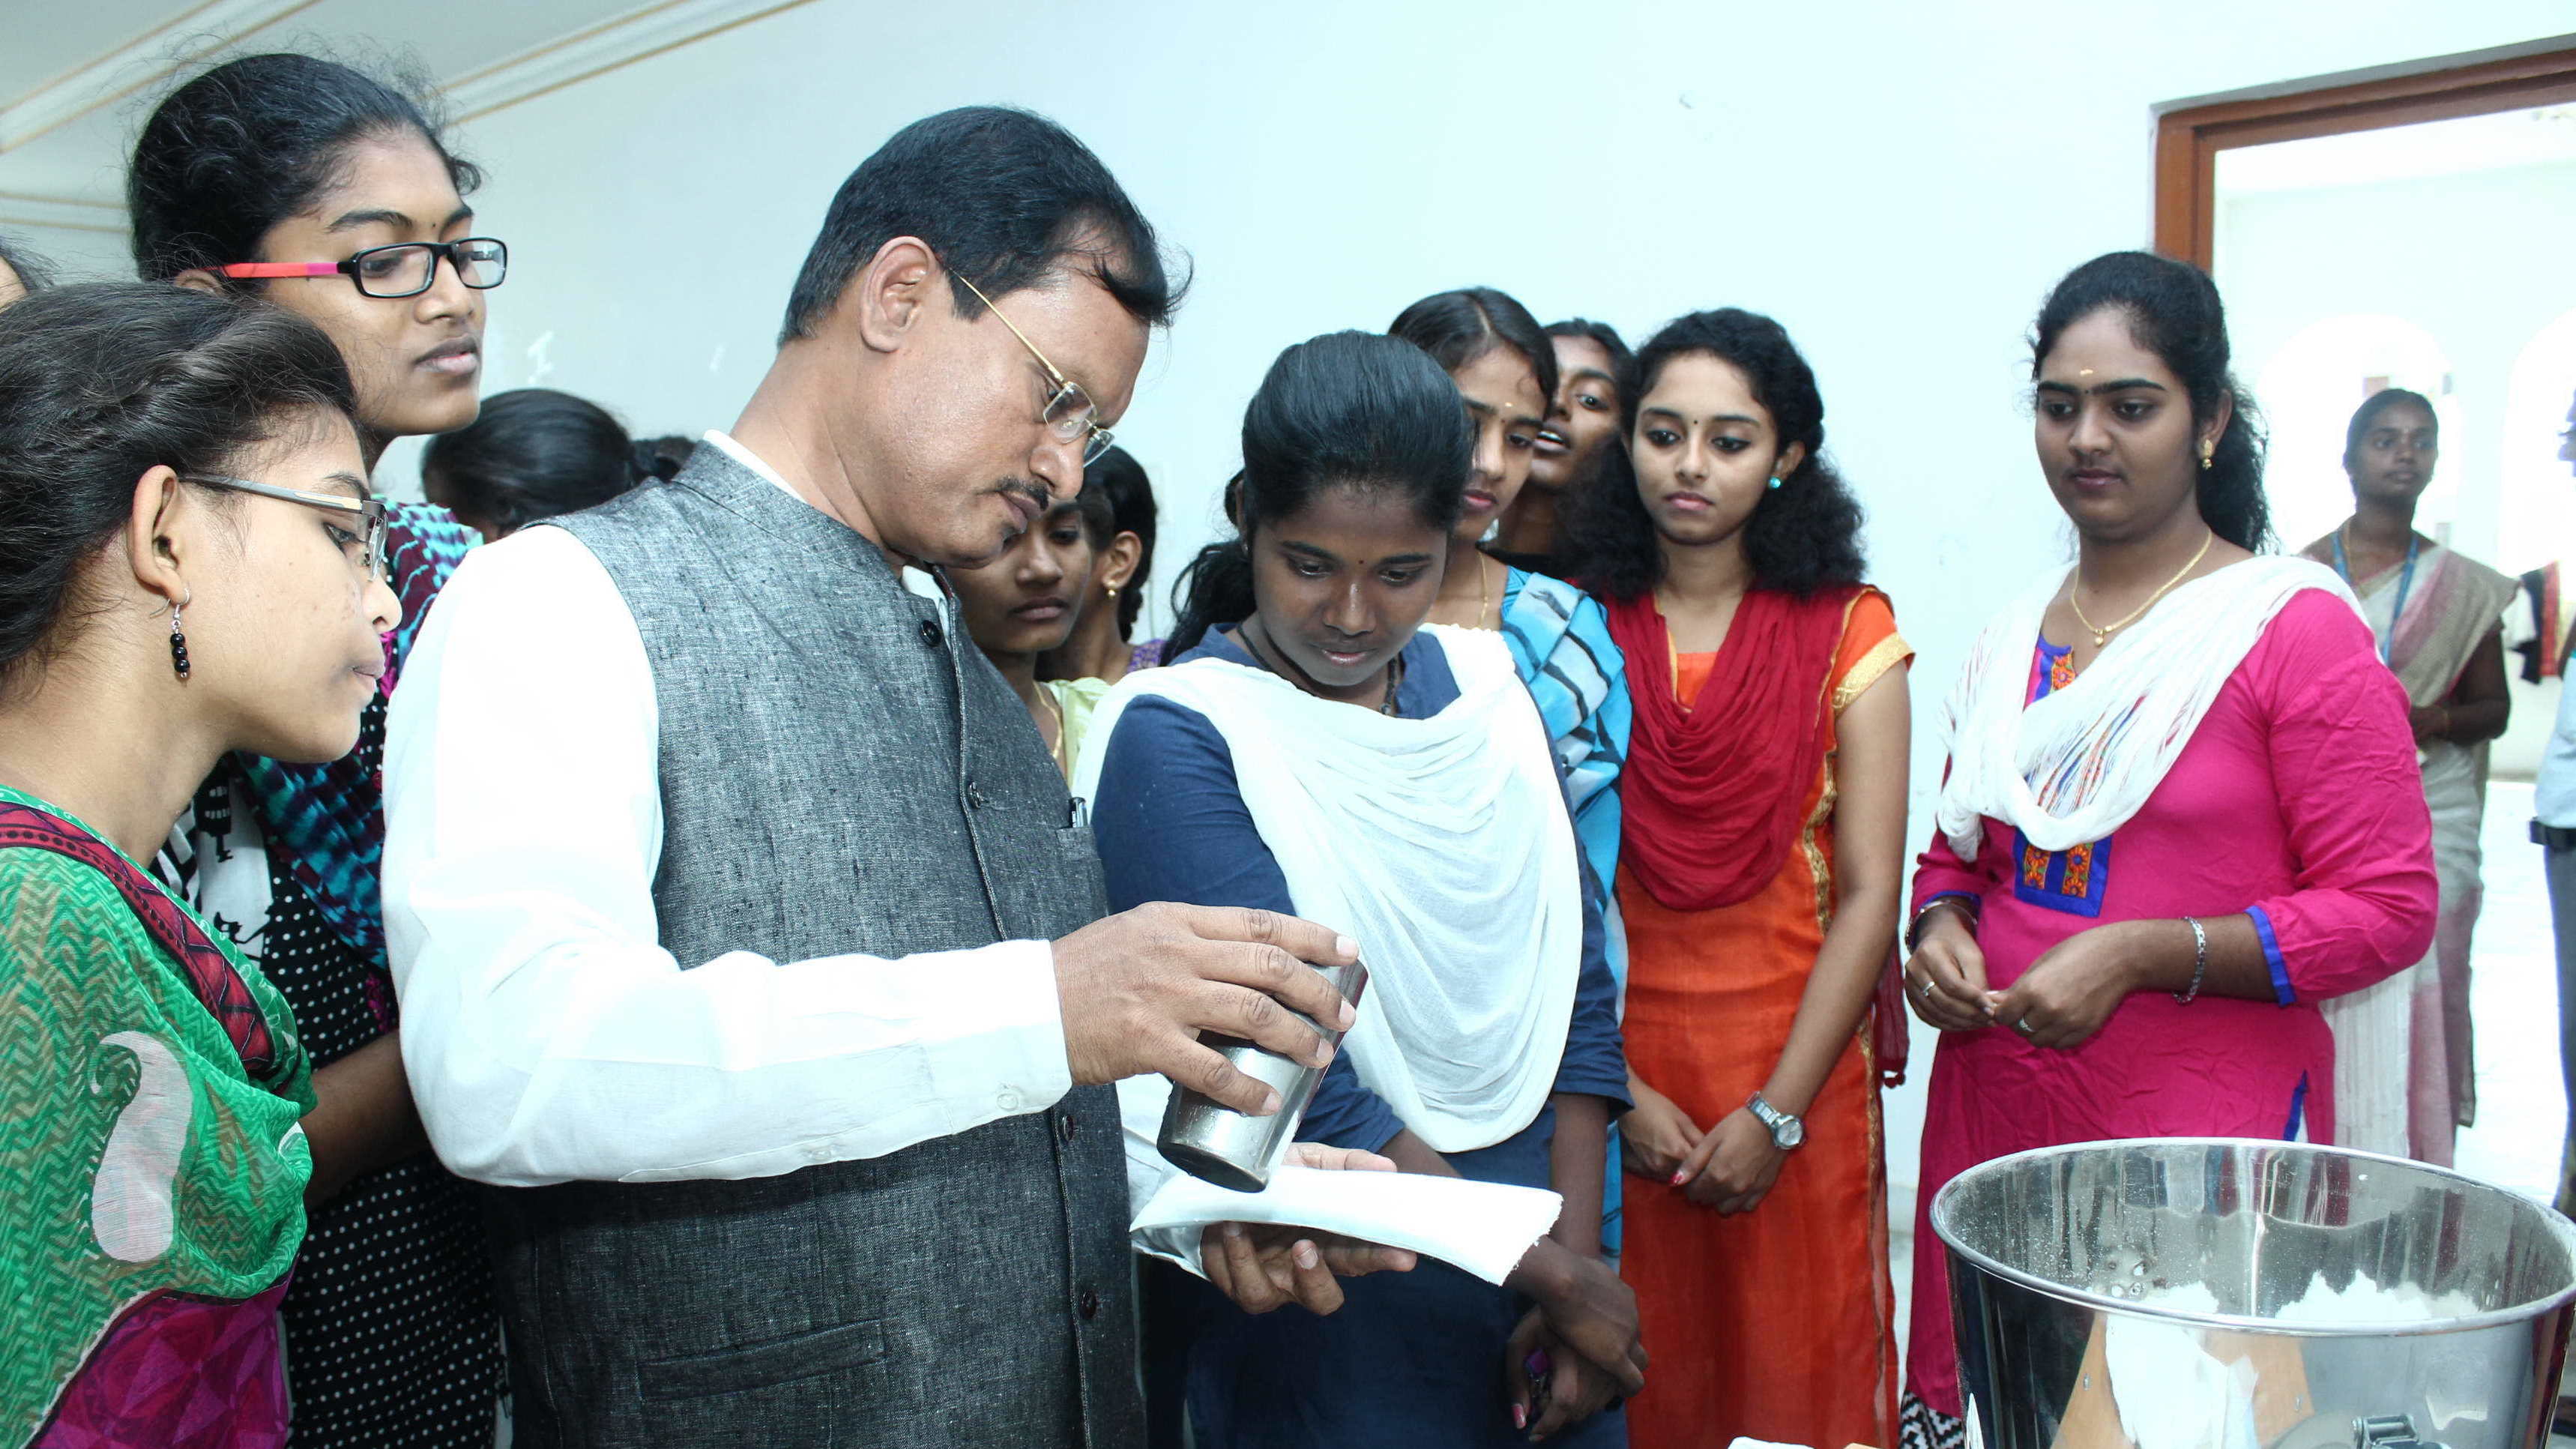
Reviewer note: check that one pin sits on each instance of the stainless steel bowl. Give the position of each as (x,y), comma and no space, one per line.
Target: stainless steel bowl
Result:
(2176,1293)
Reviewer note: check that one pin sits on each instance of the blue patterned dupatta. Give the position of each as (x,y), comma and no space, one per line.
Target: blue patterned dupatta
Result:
(328,821)
(1560,642)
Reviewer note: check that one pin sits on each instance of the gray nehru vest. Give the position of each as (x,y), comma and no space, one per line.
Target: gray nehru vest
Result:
(841,771)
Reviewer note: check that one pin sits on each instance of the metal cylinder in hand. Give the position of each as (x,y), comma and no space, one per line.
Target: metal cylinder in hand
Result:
(1218,1144)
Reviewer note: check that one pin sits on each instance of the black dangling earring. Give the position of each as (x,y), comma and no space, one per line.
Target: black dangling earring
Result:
(178,644)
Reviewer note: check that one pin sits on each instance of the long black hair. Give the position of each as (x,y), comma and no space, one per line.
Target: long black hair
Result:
(1344,410)
(534,453)
(1126,498)
(249,143)
(100,382)
(2172,310)
(1802,536)
(1458,327)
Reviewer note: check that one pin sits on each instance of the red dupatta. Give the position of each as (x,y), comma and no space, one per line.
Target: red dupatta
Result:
(1713,794)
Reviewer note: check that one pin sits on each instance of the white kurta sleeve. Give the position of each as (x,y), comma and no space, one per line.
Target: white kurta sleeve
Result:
(547,1034)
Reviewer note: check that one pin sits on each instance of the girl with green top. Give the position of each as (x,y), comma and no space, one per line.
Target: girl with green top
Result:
(189,564)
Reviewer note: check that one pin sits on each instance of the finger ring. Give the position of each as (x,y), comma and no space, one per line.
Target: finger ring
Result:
(2023,1026)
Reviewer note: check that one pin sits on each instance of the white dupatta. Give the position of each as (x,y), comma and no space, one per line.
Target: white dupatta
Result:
(2079,763)
(1441,845)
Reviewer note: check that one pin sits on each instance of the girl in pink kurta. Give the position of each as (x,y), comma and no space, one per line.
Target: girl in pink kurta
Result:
(2181,806)
(2296,803)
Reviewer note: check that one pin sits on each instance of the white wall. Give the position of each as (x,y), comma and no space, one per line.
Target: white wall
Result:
(78,254)
(1899,184)
(2478,261)
(2479,265)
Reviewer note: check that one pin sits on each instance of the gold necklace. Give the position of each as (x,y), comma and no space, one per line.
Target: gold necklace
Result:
(2102,632)
(1056,708)
(1484,593)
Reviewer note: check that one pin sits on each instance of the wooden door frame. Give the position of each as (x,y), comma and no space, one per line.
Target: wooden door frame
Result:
(2190,134)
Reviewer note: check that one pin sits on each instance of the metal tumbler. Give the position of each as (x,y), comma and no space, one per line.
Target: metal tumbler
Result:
(1218,1144)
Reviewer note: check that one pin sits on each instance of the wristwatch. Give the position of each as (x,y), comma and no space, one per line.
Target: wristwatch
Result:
(1786,1131)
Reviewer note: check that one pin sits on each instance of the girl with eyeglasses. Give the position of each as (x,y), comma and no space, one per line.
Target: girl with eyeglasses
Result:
(330,194)
(186,569)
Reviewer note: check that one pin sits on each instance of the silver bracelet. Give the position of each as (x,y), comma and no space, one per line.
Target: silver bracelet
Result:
(2199,960)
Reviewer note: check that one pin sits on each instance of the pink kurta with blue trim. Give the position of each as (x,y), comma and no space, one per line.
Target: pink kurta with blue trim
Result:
(2296,802)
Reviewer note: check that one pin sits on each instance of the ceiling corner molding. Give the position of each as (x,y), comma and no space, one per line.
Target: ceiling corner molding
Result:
(637,35)
(189,36)
(61,213)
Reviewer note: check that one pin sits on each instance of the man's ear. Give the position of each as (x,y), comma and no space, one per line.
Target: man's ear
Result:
(890,298)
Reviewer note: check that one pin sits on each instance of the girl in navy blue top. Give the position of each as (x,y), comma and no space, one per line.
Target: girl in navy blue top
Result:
(1327,756)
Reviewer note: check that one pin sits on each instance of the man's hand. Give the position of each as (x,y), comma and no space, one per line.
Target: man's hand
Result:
(1137,989)
(1263,1267)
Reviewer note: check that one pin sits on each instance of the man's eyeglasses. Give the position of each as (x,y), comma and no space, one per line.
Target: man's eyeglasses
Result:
(366,514)
(405,269)
(1069,411)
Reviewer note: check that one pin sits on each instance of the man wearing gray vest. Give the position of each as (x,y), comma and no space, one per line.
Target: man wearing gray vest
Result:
(740,922)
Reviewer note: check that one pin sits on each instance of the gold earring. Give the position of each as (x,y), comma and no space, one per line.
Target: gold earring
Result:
(2208,452)
(1113,591)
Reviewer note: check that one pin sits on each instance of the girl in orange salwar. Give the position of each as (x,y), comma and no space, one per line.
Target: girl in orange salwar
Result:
(1761,856)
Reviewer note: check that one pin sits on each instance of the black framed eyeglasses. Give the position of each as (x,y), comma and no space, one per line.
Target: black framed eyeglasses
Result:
(369,513)
(1069,412)
(405,269)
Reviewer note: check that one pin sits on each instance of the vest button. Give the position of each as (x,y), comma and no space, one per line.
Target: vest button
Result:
(1064,1126)
(1088,1304)
(930,633)
(974,795)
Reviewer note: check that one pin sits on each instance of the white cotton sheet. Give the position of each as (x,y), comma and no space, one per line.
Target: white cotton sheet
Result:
(1484,1228)
(1441,845)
